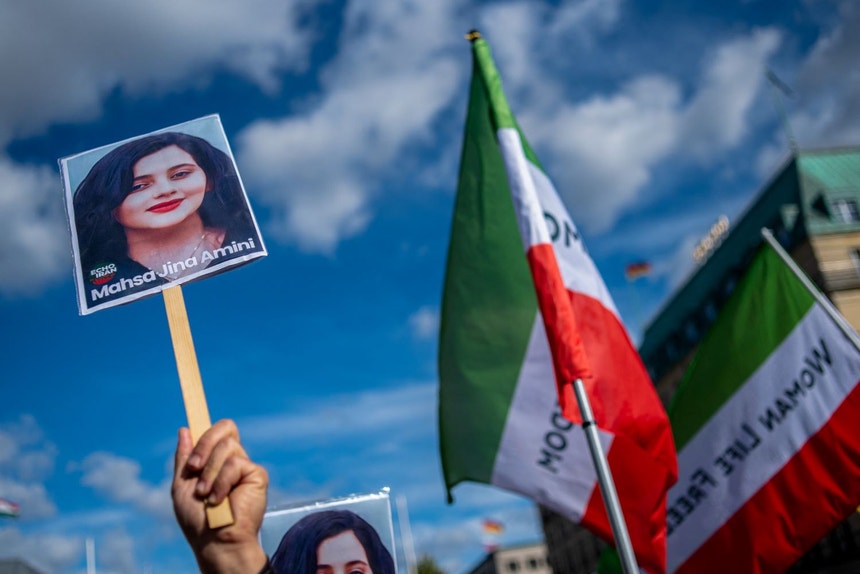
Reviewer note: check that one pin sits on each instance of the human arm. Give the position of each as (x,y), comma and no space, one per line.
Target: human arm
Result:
(217,467)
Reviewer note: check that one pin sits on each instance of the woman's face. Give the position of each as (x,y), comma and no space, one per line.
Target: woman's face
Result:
(168,187)
(342,554)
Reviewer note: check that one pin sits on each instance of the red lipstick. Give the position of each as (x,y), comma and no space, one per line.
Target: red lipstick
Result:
(165,206)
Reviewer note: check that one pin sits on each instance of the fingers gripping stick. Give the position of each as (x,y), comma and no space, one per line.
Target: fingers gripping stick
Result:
(192,387)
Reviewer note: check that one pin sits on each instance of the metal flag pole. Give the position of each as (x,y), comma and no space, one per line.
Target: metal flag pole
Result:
(91,556)
(406,535)
(825,303)
(778,86)
(607,485)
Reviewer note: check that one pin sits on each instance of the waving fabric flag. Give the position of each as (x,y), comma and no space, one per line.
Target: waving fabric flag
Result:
(524,306)
(636,270)
(766,426)
(493,526)
(9,508)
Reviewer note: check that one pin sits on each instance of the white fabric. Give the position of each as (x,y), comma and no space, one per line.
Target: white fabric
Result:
(530,420)
(777,447)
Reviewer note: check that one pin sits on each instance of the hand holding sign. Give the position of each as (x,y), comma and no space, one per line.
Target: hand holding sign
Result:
(218,469)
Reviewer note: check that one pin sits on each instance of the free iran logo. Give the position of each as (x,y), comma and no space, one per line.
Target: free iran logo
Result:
(102,273)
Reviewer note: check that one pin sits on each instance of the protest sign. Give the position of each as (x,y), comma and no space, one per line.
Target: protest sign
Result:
(155,211)
(338,534)
(151,213)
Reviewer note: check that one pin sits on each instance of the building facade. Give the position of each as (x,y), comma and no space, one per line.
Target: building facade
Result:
(16,566)
(812,206)
(524,559)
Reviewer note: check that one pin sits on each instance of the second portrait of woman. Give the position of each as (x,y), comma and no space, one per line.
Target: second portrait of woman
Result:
(351,535)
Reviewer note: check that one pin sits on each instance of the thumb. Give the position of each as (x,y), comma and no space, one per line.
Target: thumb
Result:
(184,446)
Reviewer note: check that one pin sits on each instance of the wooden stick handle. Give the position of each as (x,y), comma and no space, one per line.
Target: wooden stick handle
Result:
(192,386)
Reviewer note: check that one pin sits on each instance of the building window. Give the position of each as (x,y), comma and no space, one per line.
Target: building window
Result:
(513,566)
(854,256)
(710,312)
(533,564)
(845,210)
(691,331)
(729,285)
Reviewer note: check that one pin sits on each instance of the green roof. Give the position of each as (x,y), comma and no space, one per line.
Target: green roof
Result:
(800,200)
(827,177)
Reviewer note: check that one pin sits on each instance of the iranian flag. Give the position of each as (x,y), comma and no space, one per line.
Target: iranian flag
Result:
(9,508)
(766,423)
(524,313)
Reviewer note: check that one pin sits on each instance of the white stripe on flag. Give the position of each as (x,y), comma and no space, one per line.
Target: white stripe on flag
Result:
(823,392)
(535,431)
(529,213)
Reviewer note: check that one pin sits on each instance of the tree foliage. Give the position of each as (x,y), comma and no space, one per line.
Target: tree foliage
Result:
(427,565)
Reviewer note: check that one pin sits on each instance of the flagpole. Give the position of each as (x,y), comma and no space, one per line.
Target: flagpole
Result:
(91,556)
(406,535)
(607,485)
(825,303)
(776,86)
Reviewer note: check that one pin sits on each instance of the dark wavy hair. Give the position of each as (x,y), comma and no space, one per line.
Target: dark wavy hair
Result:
(297,552)
(101,237)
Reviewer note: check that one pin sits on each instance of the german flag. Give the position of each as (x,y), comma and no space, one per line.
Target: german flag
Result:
(636,270)
(493,527)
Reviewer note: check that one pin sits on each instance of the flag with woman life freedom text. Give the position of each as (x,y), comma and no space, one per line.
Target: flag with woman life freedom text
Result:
(524,313)
(766,426)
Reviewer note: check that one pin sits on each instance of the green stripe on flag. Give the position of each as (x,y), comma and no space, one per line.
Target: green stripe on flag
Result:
(492,84)
(488,306)
(768,291)
(502,117)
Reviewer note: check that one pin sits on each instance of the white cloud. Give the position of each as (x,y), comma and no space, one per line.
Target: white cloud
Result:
(528,35)
(828,86)
(65,59)
(585,17)
(35,249)
(424,323)
(26,461)
(47,552)
(24,452)
(31,497)
(717,117)
(603,151)
(824,108)
(516,25)
(118,478)
(158,46)
(319,172)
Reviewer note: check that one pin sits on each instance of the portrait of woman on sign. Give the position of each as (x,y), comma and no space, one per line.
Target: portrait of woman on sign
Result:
(164,208)
(332,540)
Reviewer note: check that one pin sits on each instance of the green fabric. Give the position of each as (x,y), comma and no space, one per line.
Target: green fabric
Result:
(500,112)
(488,304)
(769,299)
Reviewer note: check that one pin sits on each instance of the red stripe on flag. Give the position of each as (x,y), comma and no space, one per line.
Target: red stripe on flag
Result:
(808,497)
(637,479)
(568,354)
(588,342)
(621,390)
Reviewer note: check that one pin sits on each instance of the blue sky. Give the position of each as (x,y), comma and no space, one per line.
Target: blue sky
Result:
(653,119)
